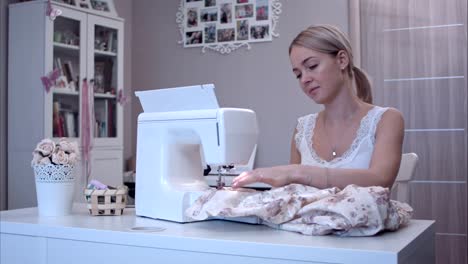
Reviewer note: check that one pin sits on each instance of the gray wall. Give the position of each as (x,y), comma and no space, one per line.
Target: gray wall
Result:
(125,10)
(3,103)
(260,79)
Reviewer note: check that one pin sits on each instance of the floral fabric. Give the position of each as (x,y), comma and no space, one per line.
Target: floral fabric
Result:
(353,211)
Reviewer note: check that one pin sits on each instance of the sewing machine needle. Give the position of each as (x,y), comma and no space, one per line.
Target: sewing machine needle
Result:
(220,181)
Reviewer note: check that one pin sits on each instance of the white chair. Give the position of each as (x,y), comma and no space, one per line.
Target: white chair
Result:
(400,188)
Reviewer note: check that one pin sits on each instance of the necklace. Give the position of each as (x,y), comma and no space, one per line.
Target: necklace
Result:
(333,147)
(334,154)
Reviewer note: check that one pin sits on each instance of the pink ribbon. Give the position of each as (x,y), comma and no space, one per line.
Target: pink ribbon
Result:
(87,123)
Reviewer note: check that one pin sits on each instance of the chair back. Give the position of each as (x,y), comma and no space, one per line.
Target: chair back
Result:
(405,174)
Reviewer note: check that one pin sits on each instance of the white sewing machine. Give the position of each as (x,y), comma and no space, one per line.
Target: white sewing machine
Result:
(181,130)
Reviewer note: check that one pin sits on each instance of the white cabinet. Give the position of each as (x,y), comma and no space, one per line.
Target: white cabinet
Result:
(13,248)
(75,46)
(81,238)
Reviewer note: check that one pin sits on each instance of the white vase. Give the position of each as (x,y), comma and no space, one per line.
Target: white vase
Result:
(55,185)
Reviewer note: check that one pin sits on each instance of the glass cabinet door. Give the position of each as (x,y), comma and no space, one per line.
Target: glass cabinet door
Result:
(105,81)
(105,68)
(66,65)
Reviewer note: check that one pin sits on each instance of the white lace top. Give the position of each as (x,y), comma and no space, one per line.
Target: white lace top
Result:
(358,155)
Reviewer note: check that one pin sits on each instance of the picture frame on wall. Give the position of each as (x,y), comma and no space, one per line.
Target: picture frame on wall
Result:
(226,25)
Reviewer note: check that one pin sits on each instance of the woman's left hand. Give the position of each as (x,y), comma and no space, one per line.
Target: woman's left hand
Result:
(274,176)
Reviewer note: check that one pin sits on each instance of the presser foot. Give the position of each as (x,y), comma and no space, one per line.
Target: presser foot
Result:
(220,184)
(222,170)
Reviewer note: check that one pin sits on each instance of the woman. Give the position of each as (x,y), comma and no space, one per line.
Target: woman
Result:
(351,141)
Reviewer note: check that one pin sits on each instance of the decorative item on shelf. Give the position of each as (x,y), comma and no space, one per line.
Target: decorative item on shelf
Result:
(103,6)
(227,25)
(105,200)
(58,36)
(66,80)
(70,38)
(52,12)
(50,79)
(84,4)
(53,165)
(95,6)
(99,76)
(122,99)
(105,39)
(62,83)
(68,2)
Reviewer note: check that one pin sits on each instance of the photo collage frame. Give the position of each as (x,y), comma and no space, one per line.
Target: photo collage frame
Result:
(225,25)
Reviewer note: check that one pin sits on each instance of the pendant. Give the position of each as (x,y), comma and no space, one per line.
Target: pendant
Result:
(334,153)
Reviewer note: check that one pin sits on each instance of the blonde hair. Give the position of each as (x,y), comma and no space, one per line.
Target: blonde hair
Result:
(329,39)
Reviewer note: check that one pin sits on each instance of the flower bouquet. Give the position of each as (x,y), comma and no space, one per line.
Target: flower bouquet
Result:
(61,153)
(53,165)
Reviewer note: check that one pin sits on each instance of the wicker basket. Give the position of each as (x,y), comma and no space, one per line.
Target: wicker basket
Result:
(106,202)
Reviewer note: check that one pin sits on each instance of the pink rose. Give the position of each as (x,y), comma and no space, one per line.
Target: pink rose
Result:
(60,157)
(36,158)
(72,158)
(68,147)
(46,147)
(44,161)
(75,148)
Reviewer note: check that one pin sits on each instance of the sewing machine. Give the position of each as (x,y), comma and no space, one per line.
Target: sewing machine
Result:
(180,131)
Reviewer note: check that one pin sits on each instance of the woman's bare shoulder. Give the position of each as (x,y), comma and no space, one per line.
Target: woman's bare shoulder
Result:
(392,118)
(393,114)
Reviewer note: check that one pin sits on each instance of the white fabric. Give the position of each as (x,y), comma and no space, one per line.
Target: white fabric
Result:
(358,155)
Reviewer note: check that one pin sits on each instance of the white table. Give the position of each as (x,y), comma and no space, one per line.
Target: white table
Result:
(80,238)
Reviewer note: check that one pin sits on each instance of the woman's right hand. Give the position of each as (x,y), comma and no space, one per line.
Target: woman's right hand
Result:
(274,176)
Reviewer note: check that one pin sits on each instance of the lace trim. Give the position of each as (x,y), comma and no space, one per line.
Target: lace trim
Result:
(361,133)
(376,119)
(54,173)
(300,130)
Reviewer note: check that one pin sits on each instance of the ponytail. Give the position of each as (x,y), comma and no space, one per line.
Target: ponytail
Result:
(363,86)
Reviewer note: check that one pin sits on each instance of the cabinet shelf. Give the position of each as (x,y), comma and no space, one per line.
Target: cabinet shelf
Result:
(63,46)
(66,50)
(105,53)
(104,96)
(60,91)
